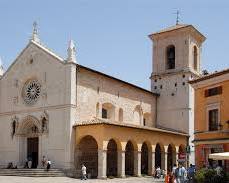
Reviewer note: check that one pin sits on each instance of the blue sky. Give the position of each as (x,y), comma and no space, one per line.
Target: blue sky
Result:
(111,35)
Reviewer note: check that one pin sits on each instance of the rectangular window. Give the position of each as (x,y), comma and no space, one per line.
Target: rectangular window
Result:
(144,122)
(213,91)
(213,116)
(104,113)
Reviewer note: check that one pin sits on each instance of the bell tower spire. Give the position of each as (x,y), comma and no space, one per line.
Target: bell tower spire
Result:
(35,36)
(71,52)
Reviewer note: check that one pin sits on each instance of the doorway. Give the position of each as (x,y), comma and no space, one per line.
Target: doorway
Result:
(32,150)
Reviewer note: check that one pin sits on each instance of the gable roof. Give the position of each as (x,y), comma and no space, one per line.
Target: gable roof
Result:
(39,46)
(175,27)
(50,52)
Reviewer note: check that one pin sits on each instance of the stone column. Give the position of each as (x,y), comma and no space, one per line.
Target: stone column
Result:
(121,163)
(102,164)
(137,163)
(151,164)
(177,157)
(166,165)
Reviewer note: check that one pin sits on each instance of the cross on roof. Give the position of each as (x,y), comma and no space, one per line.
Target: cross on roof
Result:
(178,17)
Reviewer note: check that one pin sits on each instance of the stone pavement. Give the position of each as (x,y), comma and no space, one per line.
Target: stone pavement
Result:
(15,179)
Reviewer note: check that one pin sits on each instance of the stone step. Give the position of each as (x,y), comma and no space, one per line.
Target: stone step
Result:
(32,172)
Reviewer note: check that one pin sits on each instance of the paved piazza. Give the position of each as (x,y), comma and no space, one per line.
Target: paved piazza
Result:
(15,179)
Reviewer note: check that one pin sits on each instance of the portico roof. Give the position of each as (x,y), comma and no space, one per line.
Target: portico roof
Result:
(99,121)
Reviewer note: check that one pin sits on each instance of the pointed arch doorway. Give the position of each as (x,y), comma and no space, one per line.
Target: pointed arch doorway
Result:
(29,131)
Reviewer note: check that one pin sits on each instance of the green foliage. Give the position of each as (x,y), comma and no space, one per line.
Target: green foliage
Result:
(205,175)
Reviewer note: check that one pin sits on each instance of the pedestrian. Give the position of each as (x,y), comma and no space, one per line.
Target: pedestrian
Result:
(84,172)
(158,172)
(26,163)
(43,161)
(180,174)
(48,165)
(191,173)
(30,162)
(174,170)
(169,177)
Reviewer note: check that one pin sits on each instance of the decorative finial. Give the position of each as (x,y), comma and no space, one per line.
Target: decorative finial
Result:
(35,33)
(71,52)
(178,17)
(1,67)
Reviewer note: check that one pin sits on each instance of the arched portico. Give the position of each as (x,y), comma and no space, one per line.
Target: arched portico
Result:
(127,151)
(129,159)
(87,153)
(171,156)
(144,159)
(112,158)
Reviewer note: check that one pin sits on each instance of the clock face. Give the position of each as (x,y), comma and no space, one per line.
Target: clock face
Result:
(31,91)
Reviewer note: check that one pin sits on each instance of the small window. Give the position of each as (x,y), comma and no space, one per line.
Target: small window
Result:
(213,91)
(104,113)
(161,87)
(183,76)
(155,87)
(31,61)
(155,80)
(183,83)
(175,84)
(213,119)
(170,53)
(144,122)
(195,54)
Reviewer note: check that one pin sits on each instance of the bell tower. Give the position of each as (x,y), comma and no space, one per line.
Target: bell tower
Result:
(176,60)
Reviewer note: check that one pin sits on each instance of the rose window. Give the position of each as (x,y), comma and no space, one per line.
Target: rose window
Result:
(31,92)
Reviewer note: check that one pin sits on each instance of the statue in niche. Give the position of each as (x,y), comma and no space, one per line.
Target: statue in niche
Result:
(14,126)
(44,122)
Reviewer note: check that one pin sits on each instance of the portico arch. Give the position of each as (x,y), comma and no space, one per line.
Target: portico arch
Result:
(171,156)
(129,158)
(144,159)
(87,153)
(112,158)
(159,156)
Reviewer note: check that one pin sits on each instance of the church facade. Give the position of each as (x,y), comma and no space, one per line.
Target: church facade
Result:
(74,115)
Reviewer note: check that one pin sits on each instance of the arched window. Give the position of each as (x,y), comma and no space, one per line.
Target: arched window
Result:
(170,57)
(146,119)
(137,114)
(108,111)
(195,54)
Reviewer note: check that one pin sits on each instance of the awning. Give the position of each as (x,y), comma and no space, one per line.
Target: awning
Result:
(219,156)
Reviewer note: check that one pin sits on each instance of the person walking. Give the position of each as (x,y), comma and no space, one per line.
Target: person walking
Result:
(84,172)
(191,173)
(180,174)
(43,161)
(48,165)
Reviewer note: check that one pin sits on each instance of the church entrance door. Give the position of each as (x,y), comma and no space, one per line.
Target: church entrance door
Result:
(32,150)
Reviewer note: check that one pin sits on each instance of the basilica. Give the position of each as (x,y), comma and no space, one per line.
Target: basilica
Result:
(55,107)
